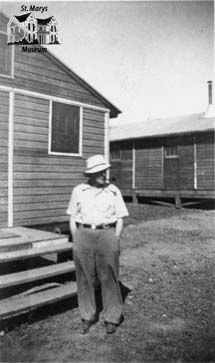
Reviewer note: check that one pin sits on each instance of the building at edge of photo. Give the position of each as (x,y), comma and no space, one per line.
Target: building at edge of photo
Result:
(51,121)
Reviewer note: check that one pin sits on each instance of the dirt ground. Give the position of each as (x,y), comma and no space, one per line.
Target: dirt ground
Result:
(168,276)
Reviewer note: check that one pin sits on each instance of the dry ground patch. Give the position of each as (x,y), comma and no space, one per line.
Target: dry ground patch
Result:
(168,264)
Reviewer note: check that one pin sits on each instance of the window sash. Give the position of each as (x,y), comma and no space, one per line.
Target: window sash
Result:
(65,129)
(115,155)
(171,151)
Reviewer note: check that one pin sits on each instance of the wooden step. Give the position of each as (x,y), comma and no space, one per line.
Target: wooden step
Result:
(34,252)
(23,277)
(17,238)
(20,244)
(21,304)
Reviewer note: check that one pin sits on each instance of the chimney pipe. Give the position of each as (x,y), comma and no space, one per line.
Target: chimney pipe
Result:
(210,112)
(210,92)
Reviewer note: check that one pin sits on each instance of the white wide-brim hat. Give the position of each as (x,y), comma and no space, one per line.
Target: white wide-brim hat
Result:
(95,164)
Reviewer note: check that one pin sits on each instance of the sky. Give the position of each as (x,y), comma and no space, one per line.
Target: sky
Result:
(149,58)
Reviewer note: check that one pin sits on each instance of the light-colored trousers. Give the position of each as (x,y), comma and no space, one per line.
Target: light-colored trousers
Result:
(96,255)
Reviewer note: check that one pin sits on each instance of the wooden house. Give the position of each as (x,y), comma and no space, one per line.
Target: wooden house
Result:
(166,158)
(32,30)
(51,120)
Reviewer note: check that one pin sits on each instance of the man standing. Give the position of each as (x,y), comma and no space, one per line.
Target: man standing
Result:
(96,212)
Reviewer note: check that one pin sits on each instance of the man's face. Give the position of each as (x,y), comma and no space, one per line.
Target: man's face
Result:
(100,178)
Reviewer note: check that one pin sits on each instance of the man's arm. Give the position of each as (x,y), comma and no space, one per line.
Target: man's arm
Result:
(72,225)
(119,227)
(118,231)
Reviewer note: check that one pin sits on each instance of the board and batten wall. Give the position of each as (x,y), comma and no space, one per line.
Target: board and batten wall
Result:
(205,157)
(121,159)
(192,170)
(148,165)
(136,164)
(4,118)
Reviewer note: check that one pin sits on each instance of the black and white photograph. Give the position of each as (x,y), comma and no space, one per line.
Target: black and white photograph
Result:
(107,181)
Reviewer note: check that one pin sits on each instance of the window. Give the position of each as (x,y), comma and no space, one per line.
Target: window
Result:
(115,152)
(171,151)
(65,129)
(5,56)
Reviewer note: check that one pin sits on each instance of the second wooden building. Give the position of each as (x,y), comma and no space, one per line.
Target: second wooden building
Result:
(166,158)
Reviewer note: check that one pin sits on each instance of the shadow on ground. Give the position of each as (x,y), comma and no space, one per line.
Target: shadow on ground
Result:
(44,312)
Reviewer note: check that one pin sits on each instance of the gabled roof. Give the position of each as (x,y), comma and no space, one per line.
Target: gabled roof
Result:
(22,18)
(114,111)
(44,21)
(162,127)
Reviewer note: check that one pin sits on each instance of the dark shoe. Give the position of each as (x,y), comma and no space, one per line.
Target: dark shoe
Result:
(110,328)
(85,326)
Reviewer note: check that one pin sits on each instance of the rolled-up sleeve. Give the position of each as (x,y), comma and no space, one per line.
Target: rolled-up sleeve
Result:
(73,209)
(120,207)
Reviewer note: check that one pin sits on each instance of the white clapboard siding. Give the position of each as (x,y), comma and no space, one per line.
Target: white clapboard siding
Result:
(3,127)
(22,158)
(40,178)
(45,181)
(38,64)
(40,191)
(31,129)
(49,198)
(49,73)
(31,121)
(41,220)
(40,206)
(47,168)
(40,213)
(43,175)
(4,117)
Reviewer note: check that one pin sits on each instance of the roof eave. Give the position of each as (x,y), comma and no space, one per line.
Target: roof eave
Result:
(163,135)
(114,111)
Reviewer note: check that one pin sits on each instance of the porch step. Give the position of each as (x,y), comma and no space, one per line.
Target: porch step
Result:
(21,243)
(34,252)
(23,277)
(16,238)
(21,304)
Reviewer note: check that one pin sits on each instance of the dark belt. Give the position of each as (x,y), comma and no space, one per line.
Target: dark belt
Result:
(98,226)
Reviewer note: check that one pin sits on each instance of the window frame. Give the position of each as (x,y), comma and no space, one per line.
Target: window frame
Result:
(173,156)
(11,75)
(79,154)
(118,151)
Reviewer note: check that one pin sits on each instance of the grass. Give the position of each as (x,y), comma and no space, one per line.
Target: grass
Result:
(168,265)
